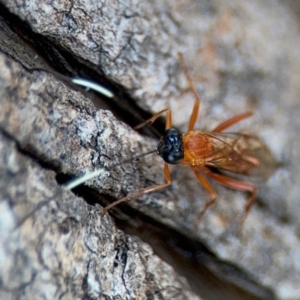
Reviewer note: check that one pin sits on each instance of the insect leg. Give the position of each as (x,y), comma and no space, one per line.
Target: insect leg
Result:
(209,189)
(166,167)
(195,110)
(236,185)
(152,119)
(143,191)
(230,122)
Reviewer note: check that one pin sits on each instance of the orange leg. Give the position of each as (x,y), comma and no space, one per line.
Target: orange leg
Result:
(143,191)
(195,111)
(209,189)
(166,167)
(230,122)
(221,127)
(236,185)
(153,118)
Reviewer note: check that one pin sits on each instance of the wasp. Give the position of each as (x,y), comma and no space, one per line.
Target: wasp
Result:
(214,155)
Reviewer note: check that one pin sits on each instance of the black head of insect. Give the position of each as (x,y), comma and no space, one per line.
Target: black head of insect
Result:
(170,147)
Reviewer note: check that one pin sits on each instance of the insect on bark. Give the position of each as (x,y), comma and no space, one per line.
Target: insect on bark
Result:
(208,154)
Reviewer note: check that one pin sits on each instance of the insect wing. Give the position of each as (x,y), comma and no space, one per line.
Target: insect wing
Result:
(238,153)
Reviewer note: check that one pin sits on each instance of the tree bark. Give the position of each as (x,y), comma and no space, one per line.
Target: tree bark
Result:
(55,244)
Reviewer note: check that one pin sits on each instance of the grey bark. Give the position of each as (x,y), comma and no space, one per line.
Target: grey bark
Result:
(241,56)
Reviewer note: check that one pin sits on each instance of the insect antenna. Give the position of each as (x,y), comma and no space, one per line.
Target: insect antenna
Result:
(104,91)
(73,183)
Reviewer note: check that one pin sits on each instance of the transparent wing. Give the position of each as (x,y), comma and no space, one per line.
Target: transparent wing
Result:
(239,153)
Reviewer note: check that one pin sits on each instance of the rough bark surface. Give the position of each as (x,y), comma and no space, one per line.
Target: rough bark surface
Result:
(241,56)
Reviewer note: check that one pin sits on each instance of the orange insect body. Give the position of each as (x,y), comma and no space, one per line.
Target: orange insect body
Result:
(206,153)
(197,147)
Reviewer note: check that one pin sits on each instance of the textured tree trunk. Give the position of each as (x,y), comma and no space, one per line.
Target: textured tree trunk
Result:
(55,243)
